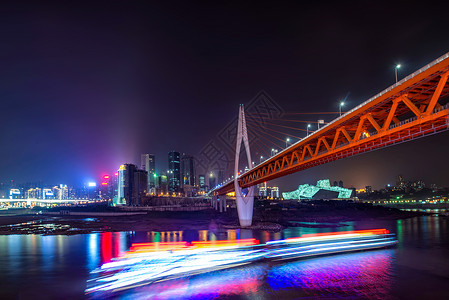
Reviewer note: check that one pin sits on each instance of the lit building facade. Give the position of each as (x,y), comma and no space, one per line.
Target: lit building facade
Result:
(220,176)
(132,185)
(174,171)
(267,192)
(141,187)
(14,194)
(202,182)
(33,193)
(61,192)
(161,184)
(322,190)
(106,188)
(148,163)
(187,170)
(212,181)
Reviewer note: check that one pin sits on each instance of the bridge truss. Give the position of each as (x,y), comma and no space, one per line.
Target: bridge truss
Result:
(412,108)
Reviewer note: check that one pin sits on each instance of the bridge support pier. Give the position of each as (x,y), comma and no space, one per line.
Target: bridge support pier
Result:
(213,200)
(219,202)
(222,203)
(244,203)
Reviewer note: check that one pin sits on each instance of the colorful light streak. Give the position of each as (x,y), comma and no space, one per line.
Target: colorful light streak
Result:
(364,275)
(147,263)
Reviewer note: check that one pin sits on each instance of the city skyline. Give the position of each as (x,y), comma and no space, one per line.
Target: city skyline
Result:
(334,170)
(224,150)
(81,98)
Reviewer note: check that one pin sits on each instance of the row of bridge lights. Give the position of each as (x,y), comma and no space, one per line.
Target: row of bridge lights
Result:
(287,140)
(342,103)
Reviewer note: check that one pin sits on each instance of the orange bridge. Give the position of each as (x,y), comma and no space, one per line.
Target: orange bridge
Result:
(412,108)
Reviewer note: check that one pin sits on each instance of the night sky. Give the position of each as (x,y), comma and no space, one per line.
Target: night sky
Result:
(87,86)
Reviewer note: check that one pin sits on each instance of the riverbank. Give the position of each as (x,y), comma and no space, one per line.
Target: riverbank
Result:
(315,214)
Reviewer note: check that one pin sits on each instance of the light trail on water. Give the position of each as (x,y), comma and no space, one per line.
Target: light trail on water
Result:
(148,263)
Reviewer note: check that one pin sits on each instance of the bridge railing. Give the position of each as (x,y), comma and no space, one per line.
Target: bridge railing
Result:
(446,106)
(323,129)
(414,74)
(426,67)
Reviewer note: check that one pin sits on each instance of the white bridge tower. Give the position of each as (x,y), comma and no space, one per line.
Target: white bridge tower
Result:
(244,203)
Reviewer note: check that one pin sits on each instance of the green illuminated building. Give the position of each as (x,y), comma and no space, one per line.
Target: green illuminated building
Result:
(322,190)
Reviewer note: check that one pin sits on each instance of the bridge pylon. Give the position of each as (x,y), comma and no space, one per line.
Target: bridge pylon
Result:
(245,203)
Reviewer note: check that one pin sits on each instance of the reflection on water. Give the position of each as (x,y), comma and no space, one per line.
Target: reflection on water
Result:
(360,275)
(298,231)
(58,266)
(364,275)
(247,280)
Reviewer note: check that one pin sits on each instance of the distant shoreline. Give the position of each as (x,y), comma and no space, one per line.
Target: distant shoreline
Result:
(319,215)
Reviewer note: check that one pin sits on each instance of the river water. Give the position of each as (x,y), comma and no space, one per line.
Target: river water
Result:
(58,267)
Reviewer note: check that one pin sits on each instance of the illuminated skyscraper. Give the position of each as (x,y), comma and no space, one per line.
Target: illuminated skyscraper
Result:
(220,176)
(174,171)
(61,192)
(141,187)
(132,185)
(187,170)
(212,180)
(106,187)
(202,182)
(148,163)
(125,179)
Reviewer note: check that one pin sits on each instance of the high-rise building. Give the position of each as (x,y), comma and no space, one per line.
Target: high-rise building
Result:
(148,163)
(161,184)
(174,171)
(115,187)
(187,170)
(202,182)
(141,182)
(220,176)
(400,183)
(61,192)
(33,193)
(106,187)
(132,185)
(274,192)
(212,181)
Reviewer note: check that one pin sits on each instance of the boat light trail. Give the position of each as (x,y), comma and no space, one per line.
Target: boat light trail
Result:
(146,263)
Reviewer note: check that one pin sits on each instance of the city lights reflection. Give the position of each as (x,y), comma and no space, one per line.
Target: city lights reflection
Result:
(365,273)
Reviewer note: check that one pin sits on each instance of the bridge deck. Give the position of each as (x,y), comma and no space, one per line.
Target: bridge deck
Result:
(414,107)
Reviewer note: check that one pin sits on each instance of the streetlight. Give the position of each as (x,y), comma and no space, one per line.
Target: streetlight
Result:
(308,126)
(396,71)
(320,122)
(341,105)
(287,141)
(261,158)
